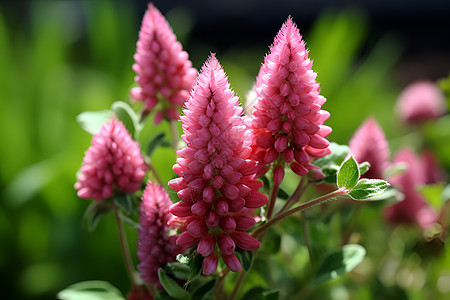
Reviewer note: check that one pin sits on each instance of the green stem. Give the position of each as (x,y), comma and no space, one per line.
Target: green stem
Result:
(319,200)
(306,237)
(237,285)
(174,131)
(149,164)
(125,250)
(301,187)
(273,198)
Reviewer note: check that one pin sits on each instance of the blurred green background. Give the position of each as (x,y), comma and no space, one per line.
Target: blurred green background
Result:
(60,58)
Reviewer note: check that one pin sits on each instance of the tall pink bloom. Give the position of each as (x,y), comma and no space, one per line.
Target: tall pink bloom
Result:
(420,101)
(155,247)
(216,185)
(113,161)
(288,120)
(369,144)
(163,69)
(414,208)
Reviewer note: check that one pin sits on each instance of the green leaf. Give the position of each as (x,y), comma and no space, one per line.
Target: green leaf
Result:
(260,293)
(92,121)
(91,290)
(367,188)
(340,262)
(155,142)
(446,193)
(390,195)
(395,169)
(205,291)
(195,266)
(171,286)
(95,212)
(433,194)
(127,116)
(282,194)
(348,174)
(329,164)
(129,221)
(245,257)
(123,201)
(363,168)
(272,241)
(178,270)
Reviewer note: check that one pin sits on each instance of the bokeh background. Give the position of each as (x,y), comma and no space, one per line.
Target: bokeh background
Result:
(60,58)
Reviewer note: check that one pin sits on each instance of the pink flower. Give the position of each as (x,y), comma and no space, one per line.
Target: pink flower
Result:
(163,68)
(288,120)
(113,161)
(155,247)
(369,144)
(414,208)
(217,188)
(421,101)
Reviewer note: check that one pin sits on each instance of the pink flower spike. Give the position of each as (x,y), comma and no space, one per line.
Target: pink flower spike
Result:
(112,161)
(421,101)
(217,171)
(162,67)
(369,144)
(155,247)
(288,116)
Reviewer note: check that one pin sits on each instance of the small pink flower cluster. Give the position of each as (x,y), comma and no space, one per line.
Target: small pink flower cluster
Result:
(421,101)
(112,161)
(288,119)
(155,247)
(163,68)
(217,188)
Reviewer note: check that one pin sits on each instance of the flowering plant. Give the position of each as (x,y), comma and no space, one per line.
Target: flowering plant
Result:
(240,181)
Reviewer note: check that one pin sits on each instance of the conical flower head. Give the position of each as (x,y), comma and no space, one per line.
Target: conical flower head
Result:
(217,188)
(155,247)
(414,208)
(288,119)
(369,144)
(163,69)
(113,161)
(420,101)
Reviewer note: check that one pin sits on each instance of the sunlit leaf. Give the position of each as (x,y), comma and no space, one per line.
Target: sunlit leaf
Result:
(340,262)
(348,174)
(91,290)
(92,121)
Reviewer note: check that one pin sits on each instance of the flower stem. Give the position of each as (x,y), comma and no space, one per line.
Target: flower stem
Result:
(125,250)
(273,198)
(174,131)
(237,285)
(319,200)
(306,237)
(301,187)
(151,168)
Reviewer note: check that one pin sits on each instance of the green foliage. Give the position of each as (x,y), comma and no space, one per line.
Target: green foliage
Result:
(340,262)
(92,121)
(126,114)
(348,174)
(91,290)
(172,288)
(367,188)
